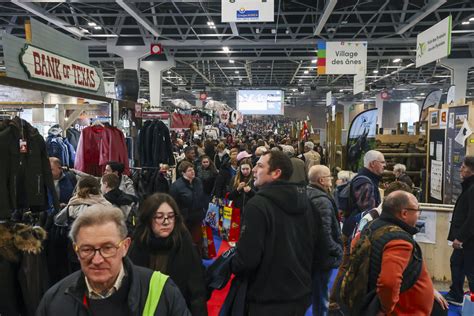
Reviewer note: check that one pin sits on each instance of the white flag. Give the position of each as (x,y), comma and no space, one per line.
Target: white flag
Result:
(464,133)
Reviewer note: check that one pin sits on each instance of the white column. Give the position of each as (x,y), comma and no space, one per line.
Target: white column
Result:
(459,69)
(130,54)
(155,70)
(379,106)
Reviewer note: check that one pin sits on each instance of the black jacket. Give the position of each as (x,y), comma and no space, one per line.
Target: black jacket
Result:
(66,297)
(462,224)
(190,198)
(25,178)
(155,144)
(406,179)
(275,249)
(328,252)
(120,198)
(184,267)
(8,167)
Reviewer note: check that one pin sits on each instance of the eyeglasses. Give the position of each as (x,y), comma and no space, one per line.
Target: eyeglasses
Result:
(413,209)
(106,251)
(160,217)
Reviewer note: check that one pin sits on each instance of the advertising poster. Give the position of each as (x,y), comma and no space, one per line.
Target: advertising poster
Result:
(436,179)
(426,225)
(432,100)
(455,153)
(361,138)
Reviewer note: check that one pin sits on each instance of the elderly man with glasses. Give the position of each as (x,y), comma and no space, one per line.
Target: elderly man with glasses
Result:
(108,283)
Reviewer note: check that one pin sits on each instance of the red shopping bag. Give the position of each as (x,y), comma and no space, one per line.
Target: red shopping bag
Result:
(209,248)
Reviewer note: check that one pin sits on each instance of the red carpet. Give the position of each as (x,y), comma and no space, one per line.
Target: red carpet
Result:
(218,297)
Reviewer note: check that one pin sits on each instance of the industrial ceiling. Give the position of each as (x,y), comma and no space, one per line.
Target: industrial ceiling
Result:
(223,57)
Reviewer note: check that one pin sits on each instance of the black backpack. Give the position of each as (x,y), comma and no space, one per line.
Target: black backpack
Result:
(345,196)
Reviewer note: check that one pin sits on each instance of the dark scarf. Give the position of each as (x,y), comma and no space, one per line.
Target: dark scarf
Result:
(156,244)
(467,183)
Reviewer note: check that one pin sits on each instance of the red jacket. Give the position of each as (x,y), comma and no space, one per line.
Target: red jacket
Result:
(98,145)
(418,300)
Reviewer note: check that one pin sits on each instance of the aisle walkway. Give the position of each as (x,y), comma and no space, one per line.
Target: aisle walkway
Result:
(217,299)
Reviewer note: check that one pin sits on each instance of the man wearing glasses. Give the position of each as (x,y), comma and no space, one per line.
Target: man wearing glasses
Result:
(108,283)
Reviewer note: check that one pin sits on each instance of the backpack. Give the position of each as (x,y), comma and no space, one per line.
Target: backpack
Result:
(345,196)
(358,287)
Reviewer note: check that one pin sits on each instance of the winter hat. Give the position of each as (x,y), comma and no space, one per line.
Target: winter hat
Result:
(243,154)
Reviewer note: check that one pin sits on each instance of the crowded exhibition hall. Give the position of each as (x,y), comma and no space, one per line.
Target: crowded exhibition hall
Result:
(236,158)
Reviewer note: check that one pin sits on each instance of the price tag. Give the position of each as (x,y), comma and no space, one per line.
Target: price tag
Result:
(23,146)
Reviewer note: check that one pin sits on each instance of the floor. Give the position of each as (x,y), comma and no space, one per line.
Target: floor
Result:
(218,297)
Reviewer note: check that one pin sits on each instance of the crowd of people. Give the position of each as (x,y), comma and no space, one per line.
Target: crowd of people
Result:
(127,256)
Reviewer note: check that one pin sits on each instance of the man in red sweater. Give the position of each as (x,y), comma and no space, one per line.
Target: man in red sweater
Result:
(403,287)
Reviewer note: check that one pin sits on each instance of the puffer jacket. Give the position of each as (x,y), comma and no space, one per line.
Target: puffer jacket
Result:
(190,198)
(328,251)
(75,207)
(126,185)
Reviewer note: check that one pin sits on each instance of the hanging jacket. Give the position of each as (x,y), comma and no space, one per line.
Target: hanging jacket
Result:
(73,136)
(9,147)
(154,144)
(33,177)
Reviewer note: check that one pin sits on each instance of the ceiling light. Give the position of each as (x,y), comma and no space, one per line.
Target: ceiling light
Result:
(306,72)
(225,49)
(314,61)
(231,61)
(168,72)
(300,80)
(236,71)
(471,19)
(397,60)
(422,93)
(91,24)
(341,90)
(210,23)
(465,23)
(274,31)
(375,71)
(97,27)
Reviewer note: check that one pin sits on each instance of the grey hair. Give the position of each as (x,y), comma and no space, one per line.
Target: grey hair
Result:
(309,145)
(261,150)
(315,173)
(98,215)
(399,167)
(370,156)
(345,175)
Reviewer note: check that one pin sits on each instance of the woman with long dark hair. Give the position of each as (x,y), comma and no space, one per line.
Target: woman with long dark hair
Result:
(242,188)
(161,242)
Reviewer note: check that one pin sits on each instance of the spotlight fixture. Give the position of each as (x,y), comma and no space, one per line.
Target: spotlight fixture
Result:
(375,71)
(314,61)
(397,60)
(225,49)
(465,22)
(91,24)
(231,61)
(236,71)
(306,72)
(97,27)
(471,19)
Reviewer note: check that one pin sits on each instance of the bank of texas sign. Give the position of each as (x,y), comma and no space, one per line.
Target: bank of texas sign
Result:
(40,64)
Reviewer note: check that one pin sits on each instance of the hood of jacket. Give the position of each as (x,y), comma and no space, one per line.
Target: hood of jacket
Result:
(290,197)
(55,130)
(119,198)
(467,183)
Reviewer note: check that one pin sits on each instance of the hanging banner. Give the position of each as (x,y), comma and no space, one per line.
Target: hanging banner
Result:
(342,58)
(359,83)
(329,98)
(43,65)
(434,43)
(247,10)
(361,138)
(455,154)
(432,100)
(451,96)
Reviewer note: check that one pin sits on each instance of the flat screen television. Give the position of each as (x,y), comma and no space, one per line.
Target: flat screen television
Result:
(261,102)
